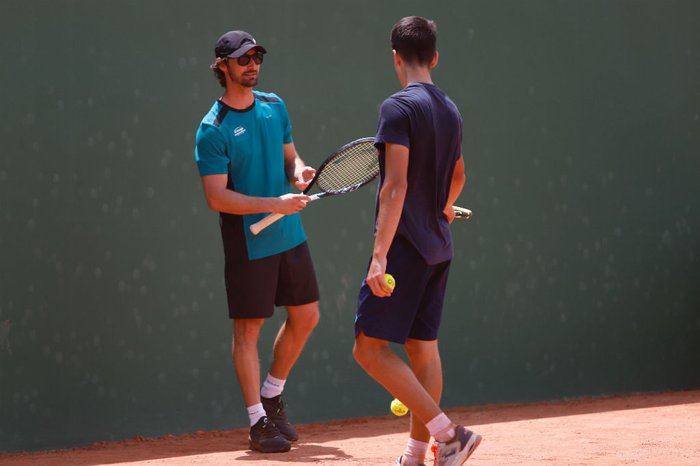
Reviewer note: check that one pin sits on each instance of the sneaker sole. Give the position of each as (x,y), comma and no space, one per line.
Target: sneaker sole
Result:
(280,449)
(290,438)
(477,441)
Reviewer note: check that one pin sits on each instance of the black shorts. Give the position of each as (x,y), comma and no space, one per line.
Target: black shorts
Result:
(255,287)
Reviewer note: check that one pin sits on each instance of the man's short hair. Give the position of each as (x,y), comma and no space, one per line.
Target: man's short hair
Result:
(415,38)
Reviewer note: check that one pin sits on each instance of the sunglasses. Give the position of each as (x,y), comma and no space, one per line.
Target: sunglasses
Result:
(245,59)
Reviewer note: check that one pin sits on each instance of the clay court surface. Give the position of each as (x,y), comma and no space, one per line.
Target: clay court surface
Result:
(648,429)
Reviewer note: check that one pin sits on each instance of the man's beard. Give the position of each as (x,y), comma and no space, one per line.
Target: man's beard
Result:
(247,81)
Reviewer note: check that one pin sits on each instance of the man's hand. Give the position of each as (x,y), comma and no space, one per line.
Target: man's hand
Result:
(375,278)
(304,178)
(291,203)
(449,213)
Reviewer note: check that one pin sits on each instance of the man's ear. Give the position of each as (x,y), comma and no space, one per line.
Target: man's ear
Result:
(221,65)
(434,61)
(398,61)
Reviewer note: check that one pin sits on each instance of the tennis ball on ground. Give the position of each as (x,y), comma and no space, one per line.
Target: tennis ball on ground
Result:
(398,408)
(389,280)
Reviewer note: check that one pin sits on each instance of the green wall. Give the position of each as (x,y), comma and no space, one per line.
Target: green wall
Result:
(578,275)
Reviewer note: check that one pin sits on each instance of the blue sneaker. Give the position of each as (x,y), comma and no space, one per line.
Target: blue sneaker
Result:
(458,450)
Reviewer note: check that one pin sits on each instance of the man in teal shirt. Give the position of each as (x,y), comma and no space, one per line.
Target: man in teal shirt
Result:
(247,160)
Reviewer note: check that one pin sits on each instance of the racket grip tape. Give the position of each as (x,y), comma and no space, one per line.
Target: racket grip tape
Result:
(260,225)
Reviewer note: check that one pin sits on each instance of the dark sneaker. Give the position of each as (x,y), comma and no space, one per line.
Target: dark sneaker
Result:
(456,451)
(266,438)
(274,408)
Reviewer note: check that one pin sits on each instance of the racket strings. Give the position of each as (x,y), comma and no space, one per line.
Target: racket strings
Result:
(349,169)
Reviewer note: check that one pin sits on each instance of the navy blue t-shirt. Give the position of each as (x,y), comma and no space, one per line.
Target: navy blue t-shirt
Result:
(424,119)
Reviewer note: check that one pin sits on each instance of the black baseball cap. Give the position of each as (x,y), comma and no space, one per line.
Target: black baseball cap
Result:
(235,44)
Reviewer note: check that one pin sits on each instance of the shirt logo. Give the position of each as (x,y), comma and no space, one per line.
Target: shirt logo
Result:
(238,131)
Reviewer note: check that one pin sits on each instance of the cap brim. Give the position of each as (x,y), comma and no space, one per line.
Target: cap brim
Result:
(245,49)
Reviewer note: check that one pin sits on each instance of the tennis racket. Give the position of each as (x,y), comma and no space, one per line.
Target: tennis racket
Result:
(347,169)
(461,212)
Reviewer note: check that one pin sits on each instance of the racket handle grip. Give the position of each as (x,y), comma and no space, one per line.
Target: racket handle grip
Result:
(260,225)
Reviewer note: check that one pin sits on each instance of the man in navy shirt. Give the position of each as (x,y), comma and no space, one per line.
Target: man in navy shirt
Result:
(419,138)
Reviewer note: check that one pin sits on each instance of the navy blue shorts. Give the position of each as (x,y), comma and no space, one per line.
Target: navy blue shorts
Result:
(414,309)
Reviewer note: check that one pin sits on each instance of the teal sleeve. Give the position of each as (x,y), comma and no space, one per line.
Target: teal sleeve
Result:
(210,151)
(286,124)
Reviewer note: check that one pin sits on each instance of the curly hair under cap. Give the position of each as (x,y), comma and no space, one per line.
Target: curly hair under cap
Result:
(220,76)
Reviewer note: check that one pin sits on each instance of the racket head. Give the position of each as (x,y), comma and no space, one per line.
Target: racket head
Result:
(461,212)
(347,169)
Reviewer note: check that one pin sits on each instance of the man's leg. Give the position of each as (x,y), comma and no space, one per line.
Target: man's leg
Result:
(288,345)
(426,365)
(264,436)
(246,361)
(291,338)
(455,443)
(386,367)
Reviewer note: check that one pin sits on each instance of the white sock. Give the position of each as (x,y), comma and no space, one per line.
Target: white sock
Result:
(255,413)
(272,387)
(441,428)
(415,451)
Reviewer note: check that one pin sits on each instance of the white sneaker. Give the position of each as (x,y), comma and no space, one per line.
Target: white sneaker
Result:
(458,450)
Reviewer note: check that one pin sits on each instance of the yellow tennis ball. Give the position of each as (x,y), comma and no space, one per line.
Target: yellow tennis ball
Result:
(398,408)
(389,280)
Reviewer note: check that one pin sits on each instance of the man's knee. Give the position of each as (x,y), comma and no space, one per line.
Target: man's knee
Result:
(246,330)
(365,349)
(422,351)
(303,318)
(356,352)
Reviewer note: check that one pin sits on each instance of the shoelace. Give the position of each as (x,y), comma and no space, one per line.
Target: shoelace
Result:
(269,429)
(279,409)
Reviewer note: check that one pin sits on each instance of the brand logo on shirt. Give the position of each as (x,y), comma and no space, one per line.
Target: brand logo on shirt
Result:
(238,131)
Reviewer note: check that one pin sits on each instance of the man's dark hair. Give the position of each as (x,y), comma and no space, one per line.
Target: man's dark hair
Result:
(414,38)
(218,73)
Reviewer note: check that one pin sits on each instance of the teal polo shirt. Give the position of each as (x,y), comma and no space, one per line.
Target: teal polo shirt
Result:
(247,145)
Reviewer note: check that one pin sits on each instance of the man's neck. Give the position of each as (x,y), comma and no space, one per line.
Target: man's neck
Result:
(418,75)
(238,97)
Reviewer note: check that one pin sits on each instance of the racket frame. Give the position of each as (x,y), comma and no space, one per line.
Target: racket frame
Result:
(273,217)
